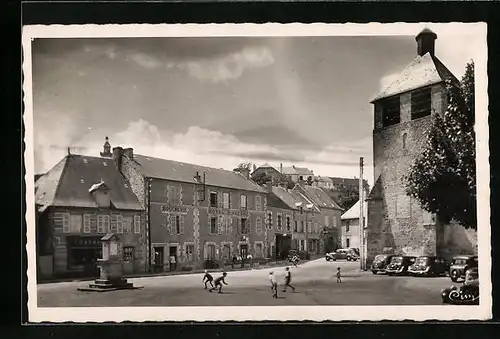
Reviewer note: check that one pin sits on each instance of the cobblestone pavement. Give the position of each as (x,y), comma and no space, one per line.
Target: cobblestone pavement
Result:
(314,281)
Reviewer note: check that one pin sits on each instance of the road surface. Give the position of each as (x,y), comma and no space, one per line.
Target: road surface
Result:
(315,284)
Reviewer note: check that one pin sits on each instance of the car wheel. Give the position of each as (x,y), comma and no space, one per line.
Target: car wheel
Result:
(374,272)
(454,276)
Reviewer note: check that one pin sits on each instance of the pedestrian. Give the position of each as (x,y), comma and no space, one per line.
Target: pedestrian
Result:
(207,278)
(339,277)
(274,284)
(288,280)
(218,283)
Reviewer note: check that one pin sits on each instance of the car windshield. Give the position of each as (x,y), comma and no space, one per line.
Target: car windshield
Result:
(459,261)
(379,257)
(421,261)
(397,260)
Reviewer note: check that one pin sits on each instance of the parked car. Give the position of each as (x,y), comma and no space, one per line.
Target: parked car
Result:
(467,294)
(428,266)
(380,263)
(355,250)
(399,265)
(460,265)
(341,254)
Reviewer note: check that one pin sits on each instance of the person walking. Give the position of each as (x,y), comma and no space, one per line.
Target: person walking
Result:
(207,278)
(274,284)
(218,283)
(288,280)
(339,276)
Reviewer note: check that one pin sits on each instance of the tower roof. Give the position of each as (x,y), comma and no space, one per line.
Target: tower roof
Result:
(423,71)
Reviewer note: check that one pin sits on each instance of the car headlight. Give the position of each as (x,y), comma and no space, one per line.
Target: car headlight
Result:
(427,269)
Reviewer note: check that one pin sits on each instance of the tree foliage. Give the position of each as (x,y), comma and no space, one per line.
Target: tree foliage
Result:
(443,177)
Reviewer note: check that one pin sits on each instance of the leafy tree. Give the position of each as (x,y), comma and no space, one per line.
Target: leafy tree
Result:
(262,178)
(245,166)
(443,177)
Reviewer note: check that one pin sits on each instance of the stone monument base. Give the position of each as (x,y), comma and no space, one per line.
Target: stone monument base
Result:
(105,285)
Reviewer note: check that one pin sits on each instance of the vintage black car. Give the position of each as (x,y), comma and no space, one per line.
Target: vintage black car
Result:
(340,254)
(460,265)
(399,265)
(467,294)
(428,266)
(380,263)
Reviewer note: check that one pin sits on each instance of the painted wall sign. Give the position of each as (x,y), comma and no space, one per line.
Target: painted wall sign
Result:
(234,212)
(174,209)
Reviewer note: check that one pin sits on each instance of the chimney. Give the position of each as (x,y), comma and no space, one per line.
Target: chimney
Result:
(243,171)
(106,149)
(129,153)
(281,168)
(426,42)
(117,156)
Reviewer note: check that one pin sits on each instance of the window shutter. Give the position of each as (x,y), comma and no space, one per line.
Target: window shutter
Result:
(182,224)
(65,222)
(219,225)
(119,224)
(106,224)
(249,225)
(172,225)
(86,223)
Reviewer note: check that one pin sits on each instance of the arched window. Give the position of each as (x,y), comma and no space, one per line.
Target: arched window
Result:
(404,141)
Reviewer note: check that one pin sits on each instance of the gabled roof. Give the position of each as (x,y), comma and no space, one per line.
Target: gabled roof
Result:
(284,195)
(422,71)
(184,172)
(67,184)
(301,198)
(294,170)
(319,197)
(274,201)
(353,212)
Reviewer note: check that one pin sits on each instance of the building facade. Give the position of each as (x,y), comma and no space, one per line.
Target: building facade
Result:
(350,226)
(402,116)
(280,219)
(323,219)
(195,214)
(78,201)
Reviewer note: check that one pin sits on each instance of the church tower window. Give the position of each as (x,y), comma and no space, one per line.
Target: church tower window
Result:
(391,112)
(420,103)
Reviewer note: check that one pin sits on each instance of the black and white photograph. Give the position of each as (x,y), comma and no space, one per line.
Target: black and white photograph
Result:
(257,172)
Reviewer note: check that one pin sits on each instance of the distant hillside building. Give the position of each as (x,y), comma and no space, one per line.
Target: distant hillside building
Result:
(402,118)
(276,174)
(78,201)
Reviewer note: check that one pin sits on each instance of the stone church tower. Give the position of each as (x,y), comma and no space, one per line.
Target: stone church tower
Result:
(402,113)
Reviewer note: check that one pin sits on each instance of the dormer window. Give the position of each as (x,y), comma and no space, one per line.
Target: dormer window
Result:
(391,111)
(420,103)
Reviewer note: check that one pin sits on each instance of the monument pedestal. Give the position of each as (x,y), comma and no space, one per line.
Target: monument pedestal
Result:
(111,271)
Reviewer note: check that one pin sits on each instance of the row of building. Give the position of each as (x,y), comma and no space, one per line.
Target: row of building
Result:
(171,215)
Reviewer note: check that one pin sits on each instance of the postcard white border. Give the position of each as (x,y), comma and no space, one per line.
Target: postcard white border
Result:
(271,313)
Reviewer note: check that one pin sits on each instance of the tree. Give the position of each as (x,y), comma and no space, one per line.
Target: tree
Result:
(262,178)
(245,166)
(443,177)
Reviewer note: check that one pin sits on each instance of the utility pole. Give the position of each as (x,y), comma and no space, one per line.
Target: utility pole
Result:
(361,216)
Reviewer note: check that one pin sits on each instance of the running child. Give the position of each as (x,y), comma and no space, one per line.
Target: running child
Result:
(218,283)
(339,277)
(207,278)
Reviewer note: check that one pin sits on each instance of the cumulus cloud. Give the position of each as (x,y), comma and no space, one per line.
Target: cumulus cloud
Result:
(145,60)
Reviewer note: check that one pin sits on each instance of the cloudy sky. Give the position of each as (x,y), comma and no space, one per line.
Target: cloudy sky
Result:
(220,101)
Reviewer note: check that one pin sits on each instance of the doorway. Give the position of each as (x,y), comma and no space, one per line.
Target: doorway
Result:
(283,246)
(158,259)
(172,254)
(243,251)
